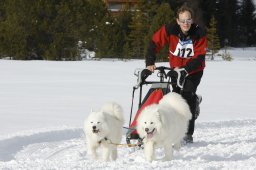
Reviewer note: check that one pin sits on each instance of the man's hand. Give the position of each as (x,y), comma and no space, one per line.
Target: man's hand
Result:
(151,68)
(182,74)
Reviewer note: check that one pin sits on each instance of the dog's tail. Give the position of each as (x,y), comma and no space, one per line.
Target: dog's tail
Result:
(177,102)
(114,109)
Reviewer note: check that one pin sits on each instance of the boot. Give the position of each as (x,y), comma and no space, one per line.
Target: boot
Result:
(198,101)
(188,139)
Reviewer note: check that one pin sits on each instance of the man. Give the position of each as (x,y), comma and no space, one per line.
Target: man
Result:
(187,43)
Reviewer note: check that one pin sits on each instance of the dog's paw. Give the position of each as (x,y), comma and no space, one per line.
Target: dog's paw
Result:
(166,159)
(94,157)
(106,159)
(177,146)
(149,159)
(92,154)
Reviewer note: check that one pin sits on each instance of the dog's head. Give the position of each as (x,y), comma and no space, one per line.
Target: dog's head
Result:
(96,123)
(149,122)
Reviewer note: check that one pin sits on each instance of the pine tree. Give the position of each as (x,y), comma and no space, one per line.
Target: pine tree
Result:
(40,39)
(107,35)
(150,8)
(115,34)
(164,15)
(226,15)
(98,15)
(247,29)
(15,28)
(208,9)
(137,35)
(213,38)
(2,19)
(123,20)
(2,10)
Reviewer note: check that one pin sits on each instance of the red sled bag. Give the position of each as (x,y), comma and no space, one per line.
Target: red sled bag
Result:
(156,92)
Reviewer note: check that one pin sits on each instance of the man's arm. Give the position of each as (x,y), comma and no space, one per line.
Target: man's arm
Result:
(159,39)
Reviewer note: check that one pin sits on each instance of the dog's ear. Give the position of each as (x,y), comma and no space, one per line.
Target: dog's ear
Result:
(160,116)
(104,116)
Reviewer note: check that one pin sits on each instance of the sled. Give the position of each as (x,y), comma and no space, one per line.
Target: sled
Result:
(155,93)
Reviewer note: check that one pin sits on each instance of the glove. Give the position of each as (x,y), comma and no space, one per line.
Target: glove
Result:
(173,74)
(144,74)
(182,74)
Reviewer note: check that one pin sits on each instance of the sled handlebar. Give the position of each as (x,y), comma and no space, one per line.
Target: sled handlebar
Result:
(162,68)
(145,72)
(161,73)
(143,75)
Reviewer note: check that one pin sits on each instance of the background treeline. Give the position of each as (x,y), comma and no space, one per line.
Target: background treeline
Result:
(51,29)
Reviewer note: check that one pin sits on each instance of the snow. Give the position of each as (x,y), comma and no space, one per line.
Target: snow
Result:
(43,105)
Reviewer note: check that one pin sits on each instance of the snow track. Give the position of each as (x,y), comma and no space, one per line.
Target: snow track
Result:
(218,145)
(9,147)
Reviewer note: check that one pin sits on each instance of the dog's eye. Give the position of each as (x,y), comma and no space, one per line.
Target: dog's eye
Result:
(151,123)
(91,122)
(98,122)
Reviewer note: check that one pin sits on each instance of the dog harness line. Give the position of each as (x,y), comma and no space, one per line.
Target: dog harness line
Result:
(118,144)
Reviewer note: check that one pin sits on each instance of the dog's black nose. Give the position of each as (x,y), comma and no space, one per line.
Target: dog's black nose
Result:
(94,127)
(146,129)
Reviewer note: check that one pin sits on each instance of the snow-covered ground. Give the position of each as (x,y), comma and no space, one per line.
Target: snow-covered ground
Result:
(43,105)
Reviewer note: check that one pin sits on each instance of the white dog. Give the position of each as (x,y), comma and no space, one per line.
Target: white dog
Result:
(164,125)
(104,129)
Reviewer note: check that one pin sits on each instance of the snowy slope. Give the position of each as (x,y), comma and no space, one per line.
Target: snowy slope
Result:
(43,105)
(219,145)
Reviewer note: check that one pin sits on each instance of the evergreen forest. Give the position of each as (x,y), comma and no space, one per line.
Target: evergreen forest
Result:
(59,29)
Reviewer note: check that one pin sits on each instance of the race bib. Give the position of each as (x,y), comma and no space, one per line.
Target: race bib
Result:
(184,49)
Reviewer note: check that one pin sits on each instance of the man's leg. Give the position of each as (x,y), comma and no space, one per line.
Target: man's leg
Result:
(190,97)
(189,94)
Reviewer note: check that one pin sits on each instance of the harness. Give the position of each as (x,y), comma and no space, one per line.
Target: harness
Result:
(119,144)
(104,139)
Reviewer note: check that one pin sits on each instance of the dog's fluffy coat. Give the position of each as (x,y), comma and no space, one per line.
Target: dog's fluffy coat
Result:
(103,128)
(164,125)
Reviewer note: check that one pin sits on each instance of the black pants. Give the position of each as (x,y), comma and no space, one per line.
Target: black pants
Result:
(189,94)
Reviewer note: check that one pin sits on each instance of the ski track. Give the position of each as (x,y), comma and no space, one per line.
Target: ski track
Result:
(218,145)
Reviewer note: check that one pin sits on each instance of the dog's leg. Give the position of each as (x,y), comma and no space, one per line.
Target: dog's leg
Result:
(114,153)
(177,146)
(106,152)
(92,151)
(149,151)
(168,150)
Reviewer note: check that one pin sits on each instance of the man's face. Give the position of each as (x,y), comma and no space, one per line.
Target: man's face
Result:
(184,21)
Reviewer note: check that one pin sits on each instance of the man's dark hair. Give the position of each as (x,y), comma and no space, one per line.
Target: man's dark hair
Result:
(184,8)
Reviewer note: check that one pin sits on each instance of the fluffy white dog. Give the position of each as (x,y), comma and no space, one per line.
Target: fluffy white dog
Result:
(104,129)
(164,125)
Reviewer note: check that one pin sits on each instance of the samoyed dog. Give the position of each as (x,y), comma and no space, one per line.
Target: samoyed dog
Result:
(164,125)
(103,129)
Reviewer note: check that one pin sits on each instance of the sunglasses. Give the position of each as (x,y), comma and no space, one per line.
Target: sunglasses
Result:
(186,21)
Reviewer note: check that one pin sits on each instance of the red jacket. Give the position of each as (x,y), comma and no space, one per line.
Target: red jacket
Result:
(185,51)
